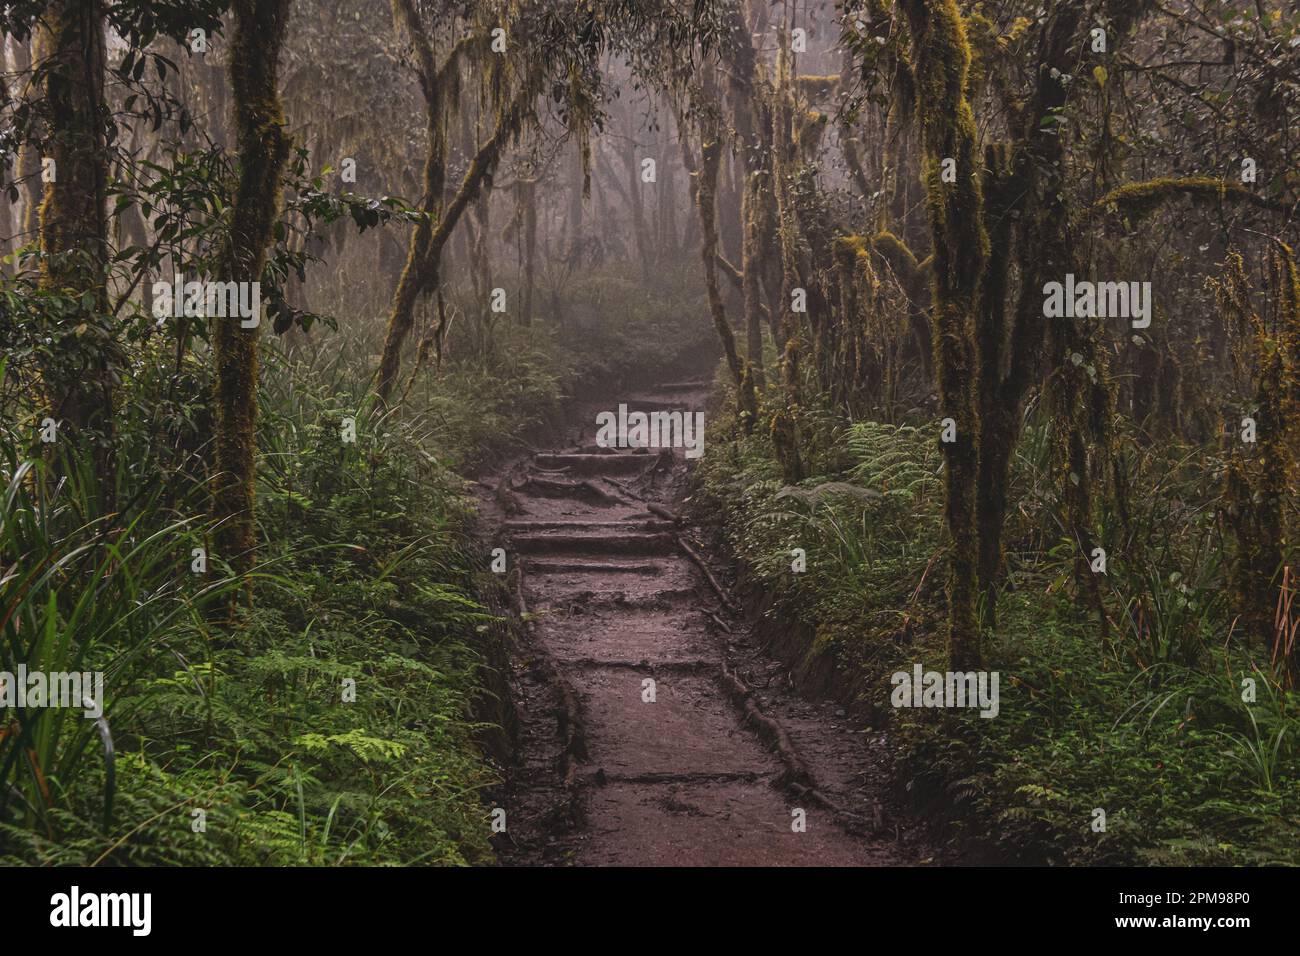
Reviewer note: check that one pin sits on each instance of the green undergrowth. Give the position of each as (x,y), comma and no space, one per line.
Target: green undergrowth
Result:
(1155,732)
(335,722)
(356,713)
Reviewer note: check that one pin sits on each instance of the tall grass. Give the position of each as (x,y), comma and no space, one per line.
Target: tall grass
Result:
(82,590)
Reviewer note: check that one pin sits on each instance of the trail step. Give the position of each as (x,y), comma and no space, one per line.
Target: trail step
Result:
(633,543)
(578,526)
(691,667)
(541,566)
(616,600)
(586,491)
(601,450)
(596,464)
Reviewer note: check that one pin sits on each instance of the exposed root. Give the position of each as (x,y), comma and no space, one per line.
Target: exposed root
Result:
(709,575)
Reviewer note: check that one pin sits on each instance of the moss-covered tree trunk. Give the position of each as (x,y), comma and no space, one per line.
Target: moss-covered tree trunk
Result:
(1023,186)
(751,264)
(747,107)
(418,271)
(784,427)
(1258,479)
(11,226)
(263,147)
(421,275)
(1000,406)
(942,60)
(705,200)
(68,51)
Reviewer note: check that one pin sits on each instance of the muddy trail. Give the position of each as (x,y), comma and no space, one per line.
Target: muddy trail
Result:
(653,729)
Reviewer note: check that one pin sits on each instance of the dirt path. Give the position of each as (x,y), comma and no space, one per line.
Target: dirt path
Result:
(713,770)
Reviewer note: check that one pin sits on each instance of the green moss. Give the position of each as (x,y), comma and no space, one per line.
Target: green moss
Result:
(895,252)
(811,85)
(1139,200)
(852,246)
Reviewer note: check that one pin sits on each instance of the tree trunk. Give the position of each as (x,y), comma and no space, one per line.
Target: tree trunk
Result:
(750,265)
(26,212)
(1030,193)
(577,195)
(421,273)
(999,420)
(423,264)
(528,196)
(263,144)
(635,204)
(785,421)
(417,273)
(706,198)
(942,59)
(69,45)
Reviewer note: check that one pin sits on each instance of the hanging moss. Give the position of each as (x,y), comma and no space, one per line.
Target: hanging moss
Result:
(981,37)
(851,254)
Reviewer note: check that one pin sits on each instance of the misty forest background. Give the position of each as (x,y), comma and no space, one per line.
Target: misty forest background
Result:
(382,169)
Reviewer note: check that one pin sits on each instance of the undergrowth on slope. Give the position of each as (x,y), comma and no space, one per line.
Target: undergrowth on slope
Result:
(247,746)
(1156,733)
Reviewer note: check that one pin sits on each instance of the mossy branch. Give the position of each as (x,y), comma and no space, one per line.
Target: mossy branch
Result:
(421,273)
(1139,200)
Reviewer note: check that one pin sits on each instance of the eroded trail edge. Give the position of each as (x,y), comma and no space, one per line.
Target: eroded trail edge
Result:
(653,730)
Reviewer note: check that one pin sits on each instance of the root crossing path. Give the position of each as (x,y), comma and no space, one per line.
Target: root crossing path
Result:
(653,730)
